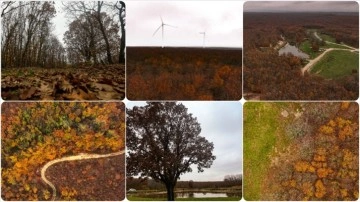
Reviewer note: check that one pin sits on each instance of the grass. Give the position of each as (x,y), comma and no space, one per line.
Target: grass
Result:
(306,48)
(261,126)
(327,38)
(336,64)
(331,45)
(135,198)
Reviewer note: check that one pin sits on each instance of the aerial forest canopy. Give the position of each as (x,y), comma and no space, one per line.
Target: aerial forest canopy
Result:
(269,75)
(95,34)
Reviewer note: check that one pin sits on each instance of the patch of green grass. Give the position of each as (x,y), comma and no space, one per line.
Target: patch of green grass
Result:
(336,64)
(261,134)
(306,48)
(327,37)
(135,198)
(331,45)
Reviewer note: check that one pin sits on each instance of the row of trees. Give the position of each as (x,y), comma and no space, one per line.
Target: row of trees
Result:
(96,34)
(26,35)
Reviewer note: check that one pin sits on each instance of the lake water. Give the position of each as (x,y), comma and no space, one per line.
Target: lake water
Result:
(191,195)
(200,195)
(293,50)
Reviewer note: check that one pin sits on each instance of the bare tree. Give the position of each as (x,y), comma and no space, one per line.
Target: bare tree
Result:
(163,141)
(120,6)
(95,9)
(25,30)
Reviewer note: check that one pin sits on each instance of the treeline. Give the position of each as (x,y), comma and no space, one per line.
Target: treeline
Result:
(263,29)
(150,184)
(270,76)
(96,34)
(183,73)
(26,35)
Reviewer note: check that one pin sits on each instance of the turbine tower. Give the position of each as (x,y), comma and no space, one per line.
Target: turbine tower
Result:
(162,31)
(203,33)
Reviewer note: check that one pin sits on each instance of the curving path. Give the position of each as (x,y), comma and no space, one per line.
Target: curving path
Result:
(78,157)
(315,60)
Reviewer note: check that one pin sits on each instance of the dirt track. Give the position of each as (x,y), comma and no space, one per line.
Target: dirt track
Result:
(315,60)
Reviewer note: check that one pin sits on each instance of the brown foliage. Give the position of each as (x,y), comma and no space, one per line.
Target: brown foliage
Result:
(332,171)
(274,77)
(183,74)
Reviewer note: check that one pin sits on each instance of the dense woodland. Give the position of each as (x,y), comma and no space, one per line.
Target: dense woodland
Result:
(35,133)
(38,64)
(270,76)
(93,34)
(183,73)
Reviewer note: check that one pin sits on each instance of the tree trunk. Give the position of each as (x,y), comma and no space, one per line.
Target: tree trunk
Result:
(170,192)
(102,29)
(122,41)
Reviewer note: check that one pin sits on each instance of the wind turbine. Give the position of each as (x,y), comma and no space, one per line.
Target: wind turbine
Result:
(162,30)
(203,33)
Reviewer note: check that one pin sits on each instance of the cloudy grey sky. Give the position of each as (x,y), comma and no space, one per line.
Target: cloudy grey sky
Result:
(301,6)
(60,22)
(221,20)
(221,123)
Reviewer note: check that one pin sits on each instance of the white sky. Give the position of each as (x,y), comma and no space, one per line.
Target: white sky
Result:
(221,20)
(59,22)
(221,123)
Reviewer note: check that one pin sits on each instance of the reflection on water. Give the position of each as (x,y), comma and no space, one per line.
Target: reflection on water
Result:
(200,195)
(193,195)
(293,50)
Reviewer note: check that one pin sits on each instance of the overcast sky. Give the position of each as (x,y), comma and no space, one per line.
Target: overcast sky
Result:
(60,22)
(221,20)
(221,123)
(301,6)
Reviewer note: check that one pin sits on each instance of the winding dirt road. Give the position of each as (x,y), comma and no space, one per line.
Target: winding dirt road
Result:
(315,60)
(72,158)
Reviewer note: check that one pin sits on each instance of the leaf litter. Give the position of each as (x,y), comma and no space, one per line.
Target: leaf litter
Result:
(82,83)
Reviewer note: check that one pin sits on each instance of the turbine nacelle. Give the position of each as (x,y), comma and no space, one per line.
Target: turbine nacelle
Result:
(162,30)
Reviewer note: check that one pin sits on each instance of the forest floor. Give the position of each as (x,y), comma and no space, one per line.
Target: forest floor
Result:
(303,151)
(80,83)
(92,179)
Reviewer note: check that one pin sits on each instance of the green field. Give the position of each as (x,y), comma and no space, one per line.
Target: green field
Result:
(327,37)
(135,198)
(336,64)
(331,45)
(306,48)
(261,126)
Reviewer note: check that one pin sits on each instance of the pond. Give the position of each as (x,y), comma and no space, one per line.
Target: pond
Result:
(192,195)
(293,50)
(200,195)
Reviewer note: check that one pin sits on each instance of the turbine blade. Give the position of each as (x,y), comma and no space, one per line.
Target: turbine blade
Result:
(161,20)
(157,30)
(170,25)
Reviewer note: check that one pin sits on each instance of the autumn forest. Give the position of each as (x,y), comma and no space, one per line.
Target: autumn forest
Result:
(259,103)
(269,75)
